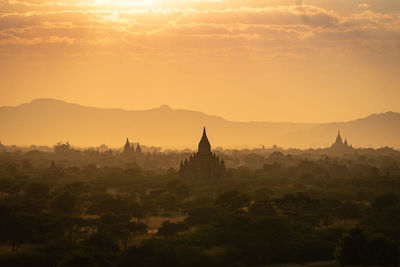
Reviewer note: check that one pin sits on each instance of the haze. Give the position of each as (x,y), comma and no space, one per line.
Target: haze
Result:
(275,60)
(47,121)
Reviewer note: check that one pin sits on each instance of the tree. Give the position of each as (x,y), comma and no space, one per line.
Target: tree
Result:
(62,147)
(202,215)
(294,205)
(169,202)
(348,210)
(77,258)
(327,211)
(64,203)
(233,200)
(70,227)
(382,251)
(171,229)
(124,231)
(37,191)
(385,201)
(107,204)
(262,208)
(178,188)
(262,193)
(351,247)
(359,247)
(102,241)
(17,230)
(9,186)
(138,211)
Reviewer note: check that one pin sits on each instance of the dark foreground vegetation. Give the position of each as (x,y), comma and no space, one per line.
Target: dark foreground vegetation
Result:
(71,208)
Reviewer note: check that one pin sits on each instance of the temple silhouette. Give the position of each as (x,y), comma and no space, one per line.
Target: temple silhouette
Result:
(339,146)
(204,164)
(129,148)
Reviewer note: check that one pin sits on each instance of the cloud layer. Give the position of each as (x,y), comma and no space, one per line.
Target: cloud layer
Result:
(256,29)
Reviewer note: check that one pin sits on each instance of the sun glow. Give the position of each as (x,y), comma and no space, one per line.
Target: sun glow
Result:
(142,3)
(125,3)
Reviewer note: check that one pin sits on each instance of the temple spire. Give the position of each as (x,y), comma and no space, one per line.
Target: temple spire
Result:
(127,146)
(339,140)
(138,148)
(204,145)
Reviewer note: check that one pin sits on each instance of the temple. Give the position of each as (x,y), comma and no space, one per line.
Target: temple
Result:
(204,164)
(339,146)
(129,148)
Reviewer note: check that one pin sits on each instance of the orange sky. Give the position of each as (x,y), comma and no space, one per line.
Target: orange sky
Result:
(272,60)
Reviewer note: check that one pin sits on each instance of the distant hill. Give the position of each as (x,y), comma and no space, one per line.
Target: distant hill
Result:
(47,121)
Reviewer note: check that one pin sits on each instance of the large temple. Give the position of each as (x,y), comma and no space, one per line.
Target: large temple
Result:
(339,146)
(204,164)
(130,148)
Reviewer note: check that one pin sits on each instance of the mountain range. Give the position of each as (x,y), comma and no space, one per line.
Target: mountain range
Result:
(47,121)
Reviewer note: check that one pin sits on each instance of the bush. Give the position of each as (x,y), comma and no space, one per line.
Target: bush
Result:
(358,247)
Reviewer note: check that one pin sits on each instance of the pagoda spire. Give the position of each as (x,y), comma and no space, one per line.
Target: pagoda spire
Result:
(138,148)
(339,140)
(127,146)
(204,145)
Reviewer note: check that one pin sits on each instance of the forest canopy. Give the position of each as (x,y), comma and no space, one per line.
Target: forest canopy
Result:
(89,208)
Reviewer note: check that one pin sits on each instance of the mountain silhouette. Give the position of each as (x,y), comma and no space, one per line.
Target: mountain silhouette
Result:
(47,121)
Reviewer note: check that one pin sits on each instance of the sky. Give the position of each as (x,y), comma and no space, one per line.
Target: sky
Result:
(244,60)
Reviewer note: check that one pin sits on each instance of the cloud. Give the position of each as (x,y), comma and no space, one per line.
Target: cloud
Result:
(363,5)
(258,30)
